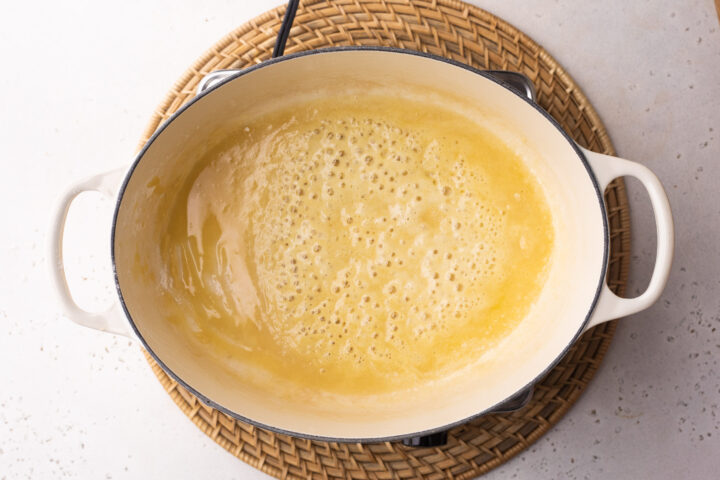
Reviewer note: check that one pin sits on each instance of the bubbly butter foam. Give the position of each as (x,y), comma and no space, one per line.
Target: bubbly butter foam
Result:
(356,245)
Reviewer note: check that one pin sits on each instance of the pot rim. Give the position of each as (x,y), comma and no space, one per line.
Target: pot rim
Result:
(207,401)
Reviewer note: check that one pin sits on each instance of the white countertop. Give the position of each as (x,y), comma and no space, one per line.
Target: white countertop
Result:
(79,81)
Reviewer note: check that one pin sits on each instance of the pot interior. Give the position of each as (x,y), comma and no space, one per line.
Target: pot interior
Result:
(552,324)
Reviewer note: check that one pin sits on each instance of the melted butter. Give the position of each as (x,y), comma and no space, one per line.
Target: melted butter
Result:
(356,247)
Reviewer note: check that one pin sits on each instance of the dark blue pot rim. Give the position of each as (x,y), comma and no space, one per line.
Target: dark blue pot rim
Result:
(290,57)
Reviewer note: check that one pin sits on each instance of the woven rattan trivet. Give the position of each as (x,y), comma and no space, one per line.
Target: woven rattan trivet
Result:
(467,34)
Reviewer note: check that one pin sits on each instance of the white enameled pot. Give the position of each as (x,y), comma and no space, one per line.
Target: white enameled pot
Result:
(574,299)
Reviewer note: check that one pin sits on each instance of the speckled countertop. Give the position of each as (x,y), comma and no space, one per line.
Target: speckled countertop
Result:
(80,80)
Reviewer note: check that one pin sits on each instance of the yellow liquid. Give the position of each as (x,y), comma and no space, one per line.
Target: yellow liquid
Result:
(356,247)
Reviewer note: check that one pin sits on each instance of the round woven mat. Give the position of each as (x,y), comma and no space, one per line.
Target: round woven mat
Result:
(467,34)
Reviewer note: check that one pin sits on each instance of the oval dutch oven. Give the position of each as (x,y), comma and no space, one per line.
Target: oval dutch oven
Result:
(574,299)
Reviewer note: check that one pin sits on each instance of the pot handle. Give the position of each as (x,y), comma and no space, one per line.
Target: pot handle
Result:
(609,305)
(112,320)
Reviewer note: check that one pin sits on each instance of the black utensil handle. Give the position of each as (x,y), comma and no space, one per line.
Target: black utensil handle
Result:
(285,27)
